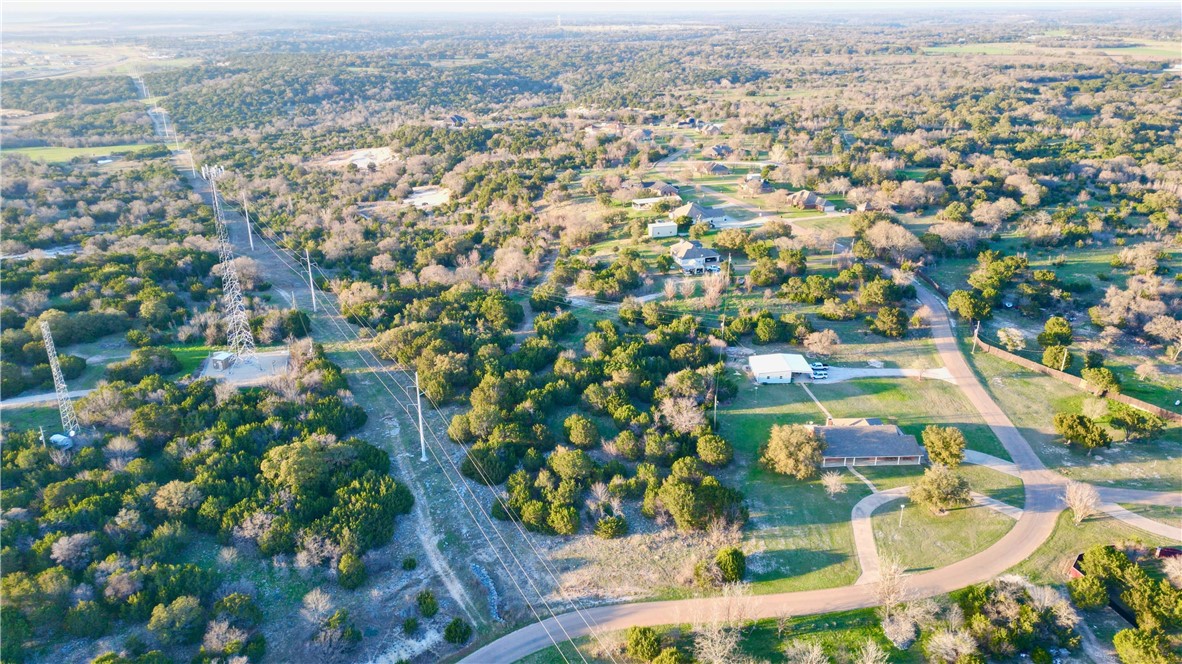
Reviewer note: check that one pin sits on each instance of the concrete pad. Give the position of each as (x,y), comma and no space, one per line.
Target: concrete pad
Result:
(267,365)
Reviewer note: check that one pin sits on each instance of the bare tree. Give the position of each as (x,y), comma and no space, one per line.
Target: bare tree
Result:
(892,586)
(714,643)
(1082,499)
(1012,338)
(670,289)
(1173,570)
(316,607)
(822,342)
(688,288)
(834,483)
(73,551)
(871,653)
(805,652)
(950,645)
(682,414)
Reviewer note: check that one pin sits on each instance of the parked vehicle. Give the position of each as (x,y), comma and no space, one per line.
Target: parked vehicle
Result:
(819,366)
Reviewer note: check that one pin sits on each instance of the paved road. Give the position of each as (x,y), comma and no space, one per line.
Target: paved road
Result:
(46,397)
(1043,490)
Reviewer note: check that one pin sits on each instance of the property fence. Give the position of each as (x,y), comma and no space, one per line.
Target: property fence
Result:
(1074,381)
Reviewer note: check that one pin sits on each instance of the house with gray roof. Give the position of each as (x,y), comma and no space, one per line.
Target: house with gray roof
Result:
(693,258)
(696,213)
(867,442)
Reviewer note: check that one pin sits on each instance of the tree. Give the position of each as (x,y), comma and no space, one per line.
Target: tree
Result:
(1057,357)
(671,655)
(1080,430)
(940,489)
(889,322)
(611,527)
(792,450)
(833,483)
(1102,380)
(715,643)
(581,431)
(945,445)
(1169,332)
(549,296)
(643,643)
(1139,646)
(714,450)
(1088,592)
(969,305)
(1055,332)
(1082,499)
(177,498)
(457,631)
(822,342)
(1136,423)
(182,621)
(86,619)
(732,563)
(351,571)
(1011,338)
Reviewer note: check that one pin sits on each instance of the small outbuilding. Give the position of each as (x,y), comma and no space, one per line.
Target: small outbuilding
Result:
(662,229)
(779,367)
(221,360)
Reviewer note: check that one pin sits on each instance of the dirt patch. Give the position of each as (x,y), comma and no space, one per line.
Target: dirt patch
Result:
(426,198)
(361,158)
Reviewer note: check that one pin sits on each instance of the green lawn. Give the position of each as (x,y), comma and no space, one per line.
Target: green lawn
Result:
(66,154)
(985,481)
(1051,561)
(1164,513)
(1031,399)
(21,419)
(838,633)
(920,540)
(798,538)
(191,357)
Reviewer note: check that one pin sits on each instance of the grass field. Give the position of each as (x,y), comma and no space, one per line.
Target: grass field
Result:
(921,541)
(838,633)
(57,154)
(21,419)
(1031,399)
(985,481)
(1050,562)
(191,357)
(1166,514)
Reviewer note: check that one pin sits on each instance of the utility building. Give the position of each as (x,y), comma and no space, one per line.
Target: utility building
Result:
(779,367)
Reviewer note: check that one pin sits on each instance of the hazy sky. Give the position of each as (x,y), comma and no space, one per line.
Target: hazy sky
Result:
(518,7)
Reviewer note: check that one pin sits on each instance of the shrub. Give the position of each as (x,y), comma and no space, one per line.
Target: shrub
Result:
(1138,646)
(610,527)
(1088,592)
(86,619)
(410,625)
(428,605)
(351,571)
(643,643)
(1102,380)
(409,563)
(792,450)
(671,655)
(1057,357)
(182,621)
(715,450)
(732,563)
(457,631)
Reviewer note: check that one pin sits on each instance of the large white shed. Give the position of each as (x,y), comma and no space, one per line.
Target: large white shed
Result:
(779,367)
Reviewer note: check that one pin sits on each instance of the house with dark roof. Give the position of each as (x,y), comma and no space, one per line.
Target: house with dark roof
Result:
(755,186)
(693,258)
(807,200)
(713,168)
(719,151)
(867,442)
(696,212)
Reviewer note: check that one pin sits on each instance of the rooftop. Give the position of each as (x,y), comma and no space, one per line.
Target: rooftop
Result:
(868,440)
(779,363)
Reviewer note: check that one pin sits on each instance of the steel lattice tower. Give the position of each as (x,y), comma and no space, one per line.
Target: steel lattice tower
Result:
(65,407)
(238,333)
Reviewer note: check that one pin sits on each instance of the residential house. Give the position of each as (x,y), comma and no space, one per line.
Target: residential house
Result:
(648,202)
(871,206)
(697,212)
(660,188)
(710,129)
(642,135)
(693,258)
(713,168)
(867,442)
(719,151)
(755,186)
(807,200)
(457,120)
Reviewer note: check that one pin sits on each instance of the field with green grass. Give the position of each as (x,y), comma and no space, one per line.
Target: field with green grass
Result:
(1166,514)
(1031,399)
(985,481)
(922,541)
(1051,561)
(191,356)
(842,632)
(31,417)
(67,154)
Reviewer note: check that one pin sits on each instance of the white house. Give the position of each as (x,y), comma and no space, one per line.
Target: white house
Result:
(697,213)
(662,229)
(779,367)
(693,258)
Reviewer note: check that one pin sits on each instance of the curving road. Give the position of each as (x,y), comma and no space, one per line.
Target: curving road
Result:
(1043,489)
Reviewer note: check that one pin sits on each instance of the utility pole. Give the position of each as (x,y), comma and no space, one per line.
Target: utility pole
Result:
(311,284)
(901,506)
(246,214)
(239,336)
(419,405)
(976,336)
(1063,364)
(41,431)
(65,407)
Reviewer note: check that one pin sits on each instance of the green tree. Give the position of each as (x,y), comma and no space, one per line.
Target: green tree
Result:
(1081,430)
(671,655)
(792,450)
(890,322)
(1102,380)
(1138,646)
(941,489)
(1135,422)
(351,571)
(611,527)
(715,450)
(86,619)
(564,519)
(1088,592)
(182,621)
(581,431)
(457,631)
(969,305)
(732,563)
(1057,357)
(643,643)
(945,445)
(1056,332)
(428,605)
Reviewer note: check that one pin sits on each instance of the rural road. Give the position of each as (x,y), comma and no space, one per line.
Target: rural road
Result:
(46,397)
(1043,489)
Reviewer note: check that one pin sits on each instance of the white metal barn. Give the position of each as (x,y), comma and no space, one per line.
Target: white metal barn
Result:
(662,229)
(779,367)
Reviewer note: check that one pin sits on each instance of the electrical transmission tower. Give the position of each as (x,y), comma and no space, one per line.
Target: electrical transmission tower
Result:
(237,322)
(65,407)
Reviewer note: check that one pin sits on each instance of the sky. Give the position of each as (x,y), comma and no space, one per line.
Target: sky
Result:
(16,8)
